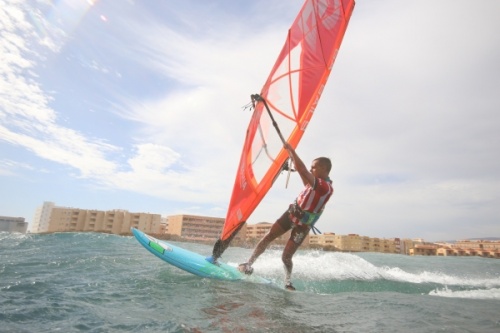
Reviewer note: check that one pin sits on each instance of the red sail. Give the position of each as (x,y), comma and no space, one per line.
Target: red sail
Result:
(292,92)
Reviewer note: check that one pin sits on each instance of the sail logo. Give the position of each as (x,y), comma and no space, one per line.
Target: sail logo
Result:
(316,100)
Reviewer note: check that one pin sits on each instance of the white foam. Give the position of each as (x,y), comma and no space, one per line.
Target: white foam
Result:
(493,293)
(319,265)
(13,235)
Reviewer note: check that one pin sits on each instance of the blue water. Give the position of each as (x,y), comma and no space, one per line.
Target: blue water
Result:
(88,282)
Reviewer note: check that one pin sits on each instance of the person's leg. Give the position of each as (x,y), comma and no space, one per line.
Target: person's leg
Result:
(299,233)
(275,232)
(282,225)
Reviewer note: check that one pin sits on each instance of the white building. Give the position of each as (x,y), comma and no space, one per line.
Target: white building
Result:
(13,224)
(42,217)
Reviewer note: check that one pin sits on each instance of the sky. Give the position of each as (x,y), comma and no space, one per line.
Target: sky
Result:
(137,105)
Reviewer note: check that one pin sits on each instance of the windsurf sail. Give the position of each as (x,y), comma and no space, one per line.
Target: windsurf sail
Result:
(288,98)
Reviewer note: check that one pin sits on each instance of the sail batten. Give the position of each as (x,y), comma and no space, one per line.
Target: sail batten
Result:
(291,92)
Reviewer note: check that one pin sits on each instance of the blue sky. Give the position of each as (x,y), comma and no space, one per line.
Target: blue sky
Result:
(137,105)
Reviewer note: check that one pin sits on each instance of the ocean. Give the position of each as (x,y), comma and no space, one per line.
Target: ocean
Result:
(90,282)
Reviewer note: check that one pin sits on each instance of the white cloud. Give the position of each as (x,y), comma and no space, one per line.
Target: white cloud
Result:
(151,157)
(9,167)
(409,115)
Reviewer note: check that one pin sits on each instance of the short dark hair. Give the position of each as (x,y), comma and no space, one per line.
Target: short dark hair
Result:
(326,162)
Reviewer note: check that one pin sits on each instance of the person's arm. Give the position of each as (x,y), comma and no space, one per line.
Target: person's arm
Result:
(306,176)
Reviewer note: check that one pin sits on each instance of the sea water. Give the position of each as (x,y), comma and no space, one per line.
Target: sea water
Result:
(90,282)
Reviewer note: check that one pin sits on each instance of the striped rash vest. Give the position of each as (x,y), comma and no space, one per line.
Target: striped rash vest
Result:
(312,200)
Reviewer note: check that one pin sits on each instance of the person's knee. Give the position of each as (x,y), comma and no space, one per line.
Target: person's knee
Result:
(264,242)
(268,238)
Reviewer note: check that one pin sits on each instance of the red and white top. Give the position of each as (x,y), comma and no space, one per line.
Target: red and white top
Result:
(312,199)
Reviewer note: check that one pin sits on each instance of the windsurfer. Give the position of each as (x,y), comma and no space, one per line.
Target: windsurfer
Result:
(301,215)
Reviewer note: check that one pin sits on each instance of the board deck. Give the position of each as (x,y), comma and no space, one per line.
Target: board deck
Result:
(192,262)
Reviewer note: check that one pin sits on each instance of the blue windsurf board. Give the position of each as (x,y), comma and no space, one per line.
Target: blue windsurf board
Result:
(192,262)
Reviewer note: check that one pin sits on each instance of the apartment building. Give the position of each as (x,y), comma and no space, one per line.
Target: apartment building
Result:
(478,244)
(424,250)
(198,228)
(324,240)
(112,221)
(13,224)
(356,243)
(51,218)
(206,228)
(41,219)
(258,230)
(481,248)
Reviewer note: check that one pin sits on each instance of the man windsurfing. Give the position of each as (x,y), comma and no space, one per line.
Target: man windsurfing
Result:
(301,215)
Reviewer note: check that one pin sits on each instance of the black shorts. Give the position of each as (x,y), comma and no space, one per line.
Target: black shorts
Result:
(299,232)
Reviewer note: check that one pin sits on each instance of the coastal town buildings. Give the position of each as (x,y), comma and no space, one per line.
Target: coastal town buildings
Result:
(481,248)
(13,224)
(51,218)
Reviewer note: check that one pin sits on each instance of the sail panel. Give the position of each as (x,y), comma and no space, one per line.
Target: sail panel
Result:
(292,92)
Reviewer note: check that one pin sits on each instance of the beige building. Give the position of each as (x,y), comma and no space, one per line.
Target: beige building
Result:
(352,243)
(258,230)
(478,244)
(424,250)
(324,240)
(200,228)
(356,243)
(206,228)
(481,248)
(63,219)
